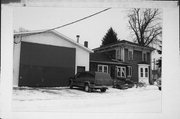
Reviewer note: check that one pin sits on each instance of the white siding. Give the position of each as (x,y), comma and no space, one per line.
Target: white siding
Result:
(82,59)
(16,62)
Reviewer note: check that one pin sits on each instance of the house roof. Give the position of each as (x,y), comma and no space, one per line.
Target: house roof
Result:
(103,58)
(99,57)
(55,32)
(123,42)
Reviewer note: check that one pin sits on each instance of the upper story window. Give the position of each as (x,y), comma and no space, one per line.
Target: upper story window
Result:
(103,68)
(130,54)
(121,71)
(120,54)
(144,56)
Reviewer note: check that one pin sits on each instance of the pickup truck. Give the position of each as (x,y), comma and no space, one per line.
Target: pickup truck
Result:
(90,81)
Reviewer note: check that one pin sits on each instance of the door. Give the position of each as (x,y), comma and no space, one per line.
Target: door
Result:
(80,68)
(46,65)
(143,71)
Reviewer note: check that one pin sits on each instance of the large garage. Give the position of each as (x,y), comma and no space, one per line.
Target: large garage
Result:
(47,59)
(45,65)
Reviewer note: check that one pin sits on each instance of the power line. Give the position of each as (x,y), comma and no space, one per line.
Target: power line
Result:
(78,20)
(69,23)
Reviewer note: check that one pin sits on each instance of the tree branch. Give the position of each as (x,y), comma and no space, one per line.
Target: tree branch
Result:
(143,24)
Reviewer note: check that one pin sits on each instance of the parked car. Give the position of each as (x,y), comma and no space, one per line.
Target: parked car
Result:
(123,84)
(90,81)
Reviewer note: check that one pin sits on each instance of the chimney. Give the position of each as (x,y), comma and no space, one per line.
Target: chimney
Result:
(86,44)
(77,38)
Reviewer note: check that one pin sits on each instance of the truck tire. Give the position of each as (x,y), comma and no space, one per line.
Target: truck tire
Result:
(71,84)
(87,88)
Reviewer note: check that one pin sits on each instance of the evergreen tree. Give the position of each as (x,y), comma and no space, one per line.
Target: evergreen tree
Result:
(110,37)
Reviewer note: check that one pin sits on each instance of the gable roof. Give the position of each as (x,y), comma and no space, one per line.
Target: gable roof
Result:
(56,33)
(123,42)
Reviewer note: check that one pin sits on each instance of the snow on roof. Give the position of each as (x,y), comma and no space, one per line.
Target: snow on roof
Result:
(57,33)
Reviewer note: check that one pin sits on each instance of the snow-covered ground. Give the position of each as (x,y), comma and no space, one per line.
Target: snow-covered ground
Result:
(146,99)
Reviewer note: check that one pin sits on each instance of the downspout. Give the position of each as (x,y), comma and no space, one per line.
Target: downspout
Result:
(150,70)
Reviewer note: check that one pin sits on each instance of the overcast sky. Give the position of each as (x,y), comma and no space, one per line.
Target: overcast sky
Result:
(92,29)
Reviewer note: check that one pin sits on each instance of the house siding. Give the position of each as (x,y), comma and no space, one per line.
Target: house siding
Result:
(93,66)
(148,58)
(137,57)
(135,72)
(111,54)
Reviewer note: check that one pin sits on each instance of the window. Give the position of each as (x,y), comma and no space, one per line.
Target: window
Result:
(146,72)
(121,71)
(120,54)
(118,71)
(103,68)
(80,68)
(130,54)
(129,71)
(99,68)
(141,72)
(144,56)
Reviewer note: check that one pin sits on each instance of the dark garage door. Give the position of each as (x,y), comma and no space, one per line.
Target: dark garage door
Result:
(45,65)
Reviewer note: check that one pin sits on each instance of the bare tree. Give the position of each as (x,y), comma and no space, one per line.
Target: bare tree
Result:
(145,25)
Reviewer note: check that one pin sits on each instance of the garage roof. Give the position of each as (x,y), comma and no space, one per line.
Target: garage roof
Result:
(55,32)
